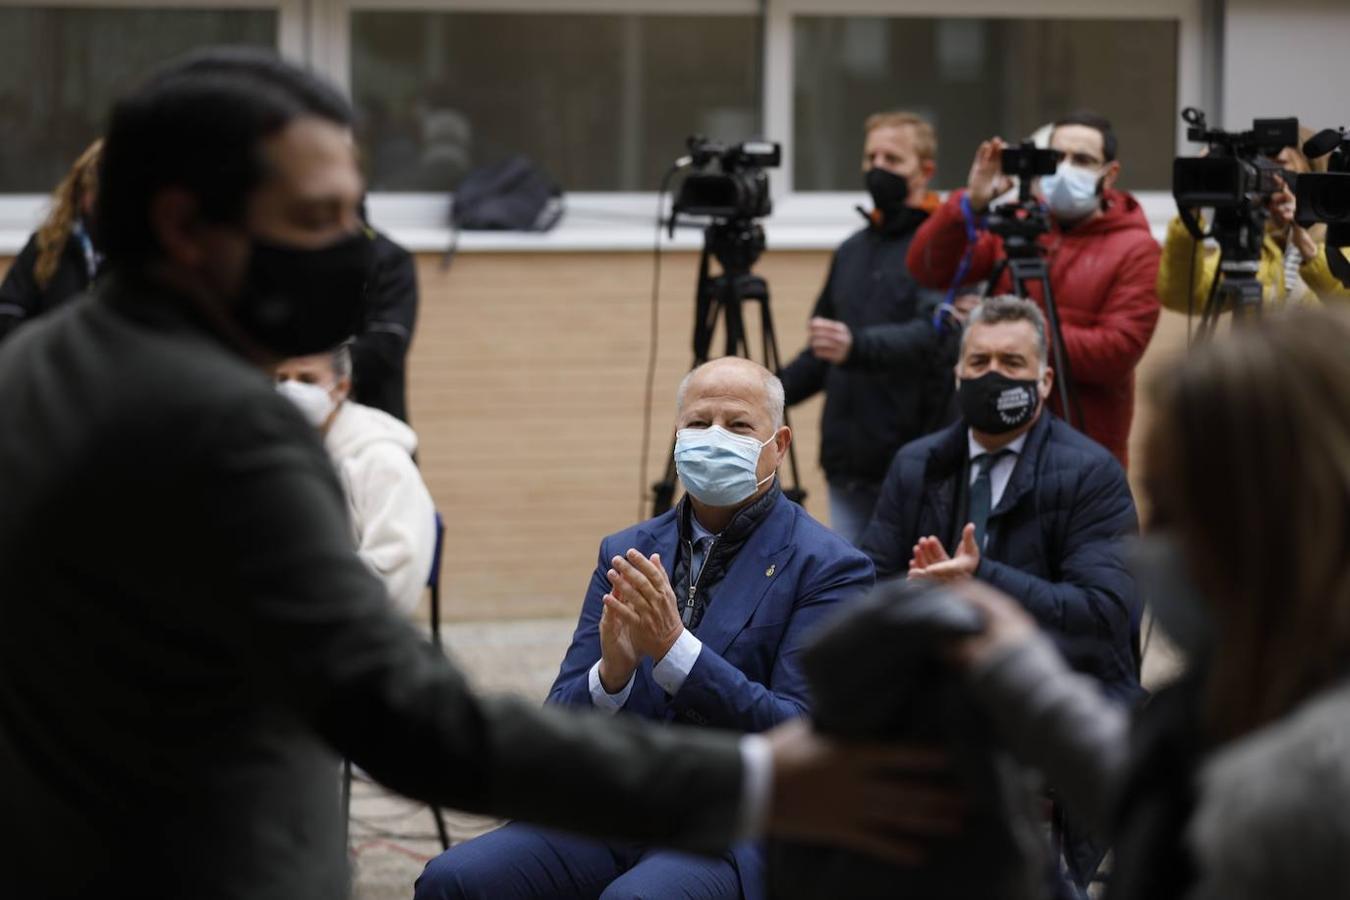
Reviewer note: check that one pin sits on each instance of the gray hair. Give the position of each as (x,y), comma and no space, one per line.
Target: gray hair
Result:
(1007,308)
(773,393)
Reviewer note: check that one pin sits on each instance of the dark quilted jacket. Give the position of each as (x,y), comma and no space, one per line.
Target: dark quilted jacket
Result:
(1056,538)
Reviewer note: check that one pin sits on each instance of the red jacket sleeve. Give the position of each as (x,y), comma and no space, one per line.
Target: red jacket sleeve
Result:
(1107,352)
(936,250)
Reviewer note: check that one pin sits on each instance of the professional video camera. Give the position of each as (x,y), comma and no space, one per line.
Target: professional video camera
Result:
(1325,197)
(1236,180)
(729,182)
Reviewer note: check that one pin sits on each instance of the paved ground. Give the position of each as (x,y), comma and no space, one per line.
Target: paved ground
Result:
(392,837)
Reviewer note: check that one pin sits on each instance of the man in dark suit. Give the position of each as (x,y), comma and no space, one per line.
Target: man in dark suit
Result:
(187,640)
(1025,503)
(697,616)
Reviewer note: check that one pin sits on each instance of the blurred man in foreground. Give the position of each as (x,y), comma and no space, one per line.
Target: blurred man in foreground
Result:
(188,638)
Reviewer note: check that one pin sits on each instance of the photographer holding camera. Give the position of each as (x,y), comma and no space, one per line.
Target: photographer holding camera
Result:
(1102,263)
(871,340)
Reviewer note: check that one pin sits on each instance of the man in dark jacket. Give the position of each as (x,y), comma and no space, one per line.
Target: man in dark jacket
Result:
(188,638)
(380,347)
(1014,497)
(872,340)
(1103,266)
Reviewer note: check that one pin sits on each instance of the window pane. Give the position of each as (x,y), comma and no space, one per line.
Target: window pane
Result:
(602,102)
(64,67)
(974,78)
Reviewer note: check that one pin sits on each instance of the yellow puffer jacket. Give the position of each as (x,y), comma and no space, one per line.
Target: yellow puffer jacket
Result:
(1182,254)
(1316,274)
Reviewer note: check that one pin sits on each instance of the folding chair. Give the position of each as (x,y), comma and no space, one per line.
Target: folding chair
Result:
(434,583)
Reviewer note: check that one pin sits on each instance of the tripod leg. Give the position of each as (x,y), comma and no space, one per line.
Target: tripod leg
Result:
(795,492)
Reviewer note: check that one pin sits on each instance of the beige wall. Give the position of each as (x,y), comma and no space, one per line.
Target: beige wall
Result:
(526,386)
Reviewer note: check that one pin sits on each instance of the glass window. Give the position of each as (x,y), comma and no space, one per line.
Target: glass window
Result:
(974,78)
(601,102)
(64,67)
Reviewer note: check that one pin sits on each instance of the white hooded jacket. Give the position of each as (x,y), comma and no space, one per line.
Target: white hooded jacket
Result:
(393,515)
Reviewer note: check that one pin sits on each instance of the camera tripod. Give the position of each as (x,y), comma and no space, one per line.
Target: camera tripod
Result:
(736,245)
(1235,286)
(1020,223)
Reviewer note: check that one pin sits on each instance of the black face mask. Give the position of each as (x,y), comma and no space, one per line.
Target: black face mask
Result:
(890,192)
(995,404)
(298,301)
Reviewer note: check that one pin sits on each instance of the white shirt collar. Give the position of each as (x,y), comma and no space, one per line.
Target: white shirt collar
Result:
(977,449)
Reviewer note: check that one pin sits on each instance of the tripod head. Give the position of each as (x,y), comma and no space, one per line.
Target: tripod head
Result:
(1020,222)
(736,244)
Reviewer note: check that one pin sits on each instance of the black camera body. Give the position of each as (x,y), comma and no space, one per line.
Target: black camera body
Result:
(1020,222)
(728,181)
(1027,161)
(1237,173)
(1325,197)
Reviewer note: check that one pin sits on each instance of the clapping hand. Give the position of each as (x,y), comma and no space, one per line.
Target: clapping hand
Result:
(642,598)
(931,560)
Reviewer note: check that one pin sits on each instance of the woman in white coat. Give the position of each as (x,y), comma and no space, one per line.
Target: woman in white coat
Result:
(393,516)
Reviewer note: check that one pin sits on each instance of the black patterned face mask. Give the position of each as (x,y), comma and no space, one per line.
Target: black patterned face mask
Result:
(995,403)
(299,301)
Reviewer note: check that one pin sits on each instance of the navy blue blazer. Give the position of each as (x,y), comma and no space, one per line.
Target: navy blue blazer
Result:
(791,573)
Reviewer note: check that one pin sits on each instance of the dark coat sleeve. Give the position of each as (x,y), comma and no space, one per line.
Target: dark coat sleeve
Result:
(318,635)
(20,296)
(1092,607)
(722,695)
(805,375)
(908,345)
(887,539)
(379,352)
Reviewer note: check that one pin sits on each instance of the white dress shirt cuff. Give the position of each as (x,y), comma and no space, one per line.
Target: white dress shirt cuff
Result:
(678,662)
(756,784)
(604,700)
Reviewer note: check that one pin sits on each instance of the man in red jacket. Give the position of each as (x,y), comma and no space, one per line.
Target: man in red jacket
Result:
(1103,264)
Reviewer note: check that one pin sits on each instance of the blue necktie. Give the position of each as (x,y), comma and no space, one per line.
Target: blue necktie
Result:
(981,494)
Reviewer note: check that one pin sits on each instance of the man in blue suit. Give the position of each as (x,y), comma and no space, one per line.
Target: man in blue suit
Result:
(697,616)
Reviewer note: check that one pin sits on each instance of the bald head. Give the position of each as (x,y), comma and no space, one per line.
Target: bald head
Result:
(733,377)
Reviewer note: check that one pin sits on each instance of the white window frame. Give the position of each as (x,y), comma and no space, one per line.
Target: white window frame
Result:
(317,33)
(20,214)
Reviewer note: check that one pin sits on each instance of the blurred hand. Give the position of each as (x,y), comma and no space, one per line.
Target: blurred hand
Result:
(882,800)
(986,180)
(830,340)
(647,603)
(931,561)
(1307,247)
(963,305)
(1005,623)
(1282,206)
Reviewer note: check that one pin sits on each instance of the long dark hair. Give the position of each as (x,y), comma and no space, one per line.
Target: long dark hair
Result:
(1249,462)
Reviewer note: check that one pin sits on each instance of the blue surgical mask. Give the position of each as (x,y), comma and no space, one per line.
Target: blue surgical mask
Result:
(1071,193)
(717,467)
